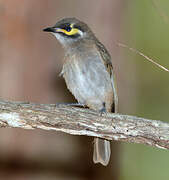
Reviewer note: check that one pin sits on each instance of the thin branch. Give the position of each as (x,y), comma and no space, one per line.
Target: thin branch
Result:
(141,54)
(80,121)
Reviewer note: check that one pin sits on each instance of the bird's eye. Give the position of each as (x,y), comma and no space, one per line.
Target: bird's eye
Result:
(68,28)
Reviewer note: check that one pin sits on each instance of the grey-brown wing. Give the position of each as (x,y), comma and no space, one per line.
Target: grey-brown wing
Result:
(108,64)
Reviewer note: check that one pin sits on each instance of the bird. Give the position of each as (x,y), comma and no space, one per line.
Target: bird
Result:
(88,73)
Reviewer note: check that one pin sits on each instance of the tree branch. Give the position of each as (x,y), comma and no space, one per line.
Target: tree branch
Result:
(80,121)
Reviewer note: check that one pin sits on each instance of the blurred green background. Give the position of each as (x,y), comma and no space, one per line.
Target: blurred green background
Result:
(31,60)
(147,25)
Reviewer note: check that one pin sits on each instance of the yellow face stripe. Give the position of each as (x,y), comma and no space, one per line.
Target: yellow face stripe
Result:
(70,33)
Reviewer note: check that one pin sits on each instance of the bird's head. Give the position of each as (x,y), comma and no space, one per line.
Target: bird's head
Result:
(69,30)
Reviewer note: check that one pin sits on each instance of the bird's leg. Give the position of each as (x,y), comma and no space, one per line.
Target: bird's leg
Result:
(103,109)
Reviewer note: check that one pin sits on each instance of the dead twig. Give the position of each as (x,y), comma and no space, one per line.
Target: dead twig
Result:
(141,54)
(80,121)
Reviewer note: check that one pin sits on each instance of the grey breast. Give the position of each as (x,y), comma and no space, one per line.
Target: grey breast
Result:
(87,78)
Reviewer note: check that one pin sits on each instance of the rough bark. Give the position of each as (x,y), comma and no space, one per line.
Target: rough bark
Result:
(81,121)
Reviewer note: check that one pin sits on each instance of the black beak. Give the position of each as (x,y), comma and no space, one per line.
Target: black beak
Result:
(49,29)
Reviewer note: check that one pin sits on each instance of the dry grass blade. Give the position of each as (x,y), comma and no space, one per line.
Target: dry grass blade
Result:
(141,54)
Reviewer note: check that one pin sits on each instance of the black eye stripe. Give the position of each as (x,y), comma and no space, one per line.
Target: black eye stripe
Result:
(63,26)
(68,28)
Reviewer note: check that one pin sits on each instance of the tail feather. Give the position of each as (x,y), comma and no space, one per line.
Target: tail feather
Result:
(102,151)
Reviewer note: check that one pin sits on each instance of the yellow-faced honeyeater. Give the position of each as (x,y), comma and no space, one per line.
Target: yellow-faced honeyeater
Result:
(88,73)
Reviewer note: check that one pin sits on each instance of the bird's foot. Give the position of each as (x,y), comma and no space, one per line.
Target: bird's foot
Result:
(102,111)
